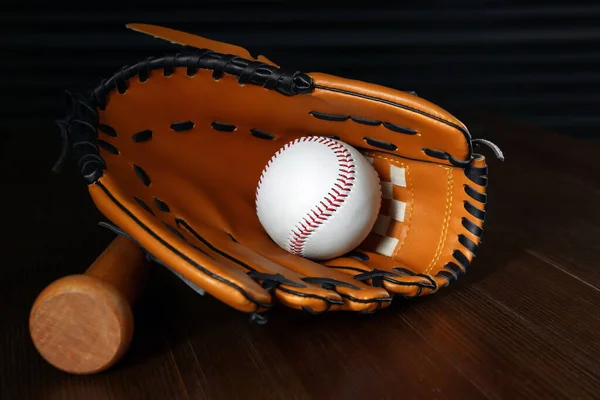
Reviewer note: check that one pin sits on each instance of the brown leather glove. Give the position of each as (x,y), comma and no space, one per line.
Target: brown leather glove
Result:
(173,147)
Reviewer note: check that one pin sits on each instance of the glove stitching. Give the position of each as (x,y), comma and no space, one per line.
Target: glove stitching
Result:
(446,223)
(335,198)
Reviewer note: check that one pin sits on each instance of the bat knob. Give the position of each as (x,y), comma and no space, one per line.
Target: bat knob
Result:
(81,324)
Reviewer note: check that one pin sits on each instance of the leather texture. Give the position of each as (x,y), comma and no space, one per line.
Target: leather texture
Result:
(180,155)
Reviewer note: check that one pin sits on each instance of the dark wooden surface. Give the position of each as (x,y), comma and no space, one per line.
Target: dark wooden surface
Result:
(523,323)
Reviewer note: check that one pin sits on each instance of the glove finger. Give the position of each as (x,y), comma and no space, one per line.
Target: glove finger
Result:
(356,295)
(214,273)
(289,287)
(382,271)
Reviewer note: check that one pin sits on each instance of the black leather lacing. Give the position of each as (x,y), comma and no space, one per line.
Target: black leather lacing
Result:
(161,205)
(262,134)
(448,276)
(442,155)
(143,204)
(499,154)
(79,127)
(364,121)
(471,227)
(376,276)
(142,136)
(182,126)
(380,144)
(108,147)
(328,283)
(248,72)
(271,281)
(142,175)
(456,270)
(223,126)
(109,130)
(478,177)
(432,282)
(78,131)
(174,231)
(475,195)
(358,255)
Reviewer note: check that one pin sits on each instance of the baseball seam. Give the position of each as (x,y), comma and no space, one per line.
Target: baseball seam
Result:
(332,201)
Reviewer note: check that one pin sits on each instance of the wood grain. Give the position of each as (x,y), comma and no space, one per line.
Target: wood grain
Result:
(522,324)
(83,324)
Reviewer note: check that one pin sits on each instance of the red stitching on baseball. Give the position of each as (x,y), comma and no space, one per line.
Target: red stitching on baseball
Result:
(335,198)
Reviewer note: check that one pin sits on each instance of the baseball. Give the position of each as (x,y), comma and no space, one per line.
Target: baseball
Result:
(318,197)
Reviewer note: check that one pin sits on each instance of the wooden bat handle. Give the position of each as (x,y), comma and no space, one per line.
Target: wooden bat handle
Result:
(83,324)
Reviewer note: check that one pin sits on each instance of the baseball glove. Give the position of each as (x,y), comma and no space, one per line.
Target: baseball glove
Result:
(172,149)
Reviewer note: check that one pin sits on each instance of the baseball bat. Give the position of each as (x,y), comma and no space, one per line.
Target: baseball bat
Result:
(83,324)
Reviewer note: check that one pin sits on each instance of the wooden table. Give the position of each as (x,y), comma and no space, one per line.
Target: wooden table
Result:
(523,323)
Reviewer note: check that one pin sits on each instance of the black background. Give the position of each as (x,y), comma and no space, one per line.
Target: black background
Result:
(535,63)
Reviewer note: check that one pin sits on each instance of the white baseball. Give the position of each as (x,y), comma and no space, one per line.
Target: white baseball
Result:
(318,197)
